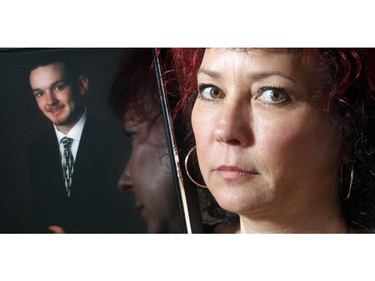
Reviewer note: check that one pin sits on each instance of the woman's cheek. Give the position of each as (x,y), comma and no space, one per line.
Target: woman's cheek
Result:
(203,124)
(202,141)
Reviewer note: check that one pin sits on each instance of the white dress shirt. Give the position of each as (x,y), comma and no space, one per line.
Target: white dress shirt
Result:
(75,133)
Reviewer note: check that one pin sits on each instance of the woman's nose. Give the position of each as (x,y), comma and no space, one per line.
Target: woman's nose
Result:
(125,182)
(233,124)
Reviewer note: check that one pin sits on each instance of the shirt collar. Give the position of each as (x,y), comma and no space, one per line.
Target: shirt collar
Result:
(75,132)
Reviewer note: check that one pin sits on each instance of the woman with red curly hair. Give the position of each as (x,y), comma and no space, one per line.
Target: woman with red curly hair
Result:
(284,137)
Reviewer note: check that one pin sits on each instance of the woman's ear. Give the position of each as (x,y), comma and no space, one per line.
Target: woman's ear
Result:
(83,84)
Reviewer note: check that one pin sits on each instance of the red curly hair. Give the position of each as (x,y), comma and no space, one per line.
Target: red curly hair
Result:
(348,83)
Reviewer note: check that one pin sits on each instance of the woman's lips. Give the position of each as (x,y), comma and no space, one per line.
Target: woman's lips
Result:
(233,173)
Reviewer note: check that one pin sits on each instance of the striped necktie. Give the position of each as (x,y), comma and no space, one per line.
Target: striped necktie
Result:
(68,164)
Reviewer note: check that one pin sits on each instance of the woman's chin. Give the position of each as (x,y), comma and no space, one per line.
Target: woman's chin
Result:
(231,204)
(237,203)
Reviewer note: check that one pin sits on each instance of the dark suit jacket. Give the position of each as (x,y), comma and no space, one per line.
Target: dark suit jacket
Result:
(95,204)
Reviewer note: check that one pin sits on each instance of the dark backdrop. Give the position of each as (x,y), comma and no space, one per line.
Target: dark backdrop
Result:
(21,121)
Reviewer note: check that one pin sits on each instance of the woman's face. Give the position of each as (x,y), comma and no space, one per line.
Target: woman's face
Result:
(148,172)
(264,145)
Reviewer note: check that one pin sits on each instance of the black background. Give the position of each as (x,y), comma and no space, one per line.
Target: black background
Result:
(21,121)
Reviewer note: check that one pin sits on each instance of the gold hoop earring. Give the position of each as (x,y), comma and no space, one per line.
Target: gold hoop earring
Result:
(187,170)
(345,198)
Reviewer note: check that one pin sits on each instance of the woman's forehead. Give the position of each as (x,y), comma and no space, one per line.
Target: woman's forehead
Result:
(251,50)
(250,60)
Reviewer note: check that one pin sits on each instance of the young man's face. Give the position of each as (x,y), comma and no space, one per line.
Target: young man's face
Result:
(58,98)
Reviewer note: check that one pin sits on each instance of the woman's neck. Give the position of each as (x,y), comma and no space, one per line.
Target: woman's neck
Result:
(326,217)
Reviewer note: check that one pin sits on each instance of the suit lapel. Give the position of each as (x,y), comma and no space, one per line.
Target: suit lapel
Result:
(51,156)
(48,164)
(85,159)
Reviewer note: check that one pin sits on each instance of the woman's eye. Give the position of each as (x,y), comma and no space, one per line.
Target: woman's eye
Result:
(210,92)
(131,135)
(273,95)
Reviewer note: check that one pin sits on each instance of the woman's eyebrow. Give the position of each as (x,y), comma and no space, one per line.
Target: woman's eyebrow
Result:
(255,75)
(258,75)
(211,73)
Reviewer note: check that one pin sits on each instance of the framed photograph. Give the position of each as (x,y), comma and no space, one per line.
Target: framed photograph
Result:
(118,174)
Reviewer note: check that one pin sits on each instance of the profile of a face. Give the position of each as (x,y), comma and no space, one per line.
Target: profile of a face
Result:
(265,148)
(148,172)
